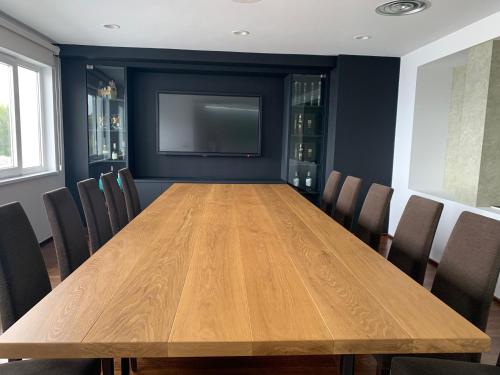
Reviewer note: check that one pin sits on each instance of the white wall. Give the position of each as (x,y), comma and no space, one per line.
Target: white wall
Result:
(29,192)
(481,31)
(432,107)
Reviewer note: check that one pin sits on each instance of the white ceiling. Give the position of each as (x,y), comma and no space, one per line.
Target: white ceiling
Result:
(324,27)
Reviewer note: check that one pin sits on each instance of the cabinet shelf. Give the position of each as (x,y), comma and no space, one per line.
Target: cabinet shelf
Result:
(111,100)
(304,162)
(307,108)
(106,161)
(306,135)
(108,131)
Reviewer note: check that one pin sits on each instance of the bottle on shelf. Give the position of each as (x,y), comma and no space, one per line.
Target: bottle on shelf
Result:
(301,152)
(319,93)
(311,100)
(296,179)
(304,89)
(114,153)
(300,124)
(105,151)
(308,181)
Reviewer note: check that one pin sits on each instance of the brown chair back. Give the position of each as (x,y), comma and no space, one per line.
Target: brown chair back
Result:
(468,272)
(68,233)
(115,201)
(24,280)
(373,214)
(414,235)
(330,192)
(130,192)
(96,215)
(346,202)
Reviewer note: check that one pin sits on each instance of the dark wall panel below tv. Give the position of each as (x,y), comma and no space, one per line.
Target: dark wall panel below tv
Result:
(146,162)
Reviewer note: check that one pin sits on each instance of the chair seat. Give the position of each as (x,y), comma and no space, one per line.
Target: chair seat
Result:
(429,366)
(52,367)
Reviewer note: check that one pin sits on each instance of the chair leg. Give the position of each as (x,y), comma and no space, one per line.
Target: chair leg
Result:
(133,364)
(108,366)
(125,365)
(382,370)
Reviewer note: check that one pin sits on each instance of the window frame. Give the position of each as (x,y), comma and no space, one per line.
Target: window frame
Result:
(18,170)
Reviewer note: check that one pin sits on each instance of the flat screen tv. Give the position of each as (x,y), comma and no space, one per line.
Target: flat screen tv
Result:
(200,124)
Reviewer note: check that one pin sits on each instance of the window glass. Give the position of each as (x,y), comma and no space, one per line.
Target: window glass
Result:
(29,109)
(7,124)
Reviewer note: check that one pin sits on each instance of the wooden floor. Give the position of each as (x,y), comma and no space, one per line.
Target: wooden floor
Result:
(365,364)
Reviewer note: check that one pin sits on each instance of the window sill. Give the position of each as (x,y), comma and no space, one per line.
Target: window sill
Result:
(26,177)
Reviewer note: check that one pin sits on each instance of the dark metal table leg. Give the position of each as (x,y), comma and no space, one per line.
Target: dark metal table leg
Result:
(125,365)
(347,364)
(108,366)
(133,364)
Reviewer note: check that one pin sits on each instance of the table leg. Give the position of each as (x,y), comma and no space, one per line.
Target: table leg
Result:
(108,367)
(125,365)
(133,364)
(347,364)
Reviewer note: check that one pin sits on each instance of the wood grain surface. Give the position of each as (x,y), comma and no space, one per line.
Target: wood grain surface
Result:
(236,270)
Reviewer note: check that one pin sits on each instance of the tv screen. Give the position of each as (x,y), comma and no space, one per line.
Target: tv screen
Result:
(208,124)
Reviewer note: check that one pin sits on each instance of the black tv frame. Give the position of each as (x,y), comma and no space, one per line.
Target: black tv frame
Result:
(206,154)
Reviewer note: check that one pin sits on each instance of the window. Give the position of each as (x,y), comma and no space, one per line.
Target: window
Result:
(23,136)
(7,123)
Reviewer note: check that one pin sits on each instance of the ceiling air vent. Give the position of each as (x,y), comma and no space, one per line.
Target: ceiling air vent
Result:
(402,7)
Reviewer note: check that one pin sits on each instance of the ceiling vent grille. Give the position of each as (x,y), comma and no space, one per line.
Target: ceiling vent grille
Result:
(402,7)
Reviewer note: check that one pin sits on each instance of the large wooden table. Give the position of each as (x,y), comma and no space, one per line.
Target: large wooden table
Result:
(236,270)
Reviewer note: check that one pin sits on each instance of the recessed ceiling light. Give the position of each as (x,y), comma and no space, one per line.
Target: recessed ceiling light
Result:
(241,32)
(402,7)
(362,37)
(112,26)
(246,1)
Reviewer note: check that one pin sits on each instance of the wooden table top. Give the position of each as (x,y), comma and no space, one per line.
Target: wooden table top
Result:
(236,270)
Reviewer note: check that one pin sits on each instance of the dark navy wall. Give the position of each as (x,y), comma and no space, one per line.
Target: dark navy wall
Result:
(362,110)
(365,118)
(143,87)
(74,102)
(203,70)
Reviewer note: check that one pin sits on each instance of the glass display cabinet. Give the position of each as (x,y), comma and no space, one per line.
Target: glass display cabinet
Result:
(306,134)
(106,119)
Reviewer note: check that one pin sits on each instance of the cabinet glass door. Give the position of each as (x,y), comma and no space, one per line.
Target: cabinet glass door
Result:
(107,126)
(306,134)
